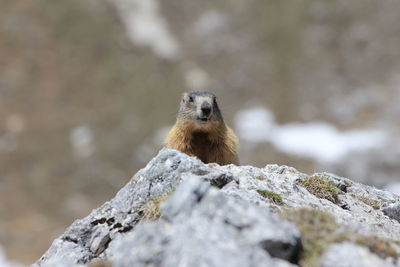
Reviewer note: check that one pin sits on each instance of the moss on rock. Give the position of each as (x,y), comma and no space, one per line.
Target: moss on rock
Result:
(316,229)
(319,230)
(151,210)
(322,188)
(274,197)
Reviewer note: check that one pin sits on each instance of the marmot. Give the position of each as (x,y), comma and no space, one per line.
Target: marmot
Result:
(200,130)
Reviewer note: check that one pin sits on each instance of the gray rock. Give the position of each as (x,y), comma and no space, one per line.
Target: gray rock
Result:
(100,239)
(87,238)
(216,217)
(209,230)
(393,211)
(350,255)
(352,213)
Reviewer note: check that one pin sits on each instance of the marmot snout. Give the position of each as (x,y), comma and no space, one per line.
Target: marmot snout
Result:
(200,130)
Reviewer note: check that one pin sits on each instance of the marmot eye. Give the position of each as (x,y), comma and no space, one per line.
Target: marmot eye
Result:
(190,99)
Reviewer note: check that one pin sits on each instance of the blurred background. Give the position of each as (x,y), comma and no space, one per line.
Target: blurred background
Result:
(88,89)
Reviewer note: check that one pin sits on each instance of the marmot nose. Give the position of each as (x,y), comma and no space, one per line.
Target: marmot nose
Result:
(206,108)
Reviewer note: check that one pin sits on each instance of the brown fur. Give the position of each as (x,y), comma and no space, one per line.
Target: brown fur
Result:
(214,142)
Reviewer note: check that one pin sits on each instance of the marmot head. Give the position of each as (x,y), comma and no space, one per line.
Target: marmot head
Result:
(200,107)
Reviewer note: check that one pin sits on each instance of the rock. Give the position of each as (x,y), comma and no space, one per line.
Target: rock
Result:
(100,240)
(85,239)
(211,215)
(210,220)
(350,255)
(393,212)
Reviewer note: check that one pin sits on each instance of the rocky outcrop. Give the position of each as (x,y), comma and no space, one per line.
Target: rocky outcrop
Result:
(353,255)
(178,211)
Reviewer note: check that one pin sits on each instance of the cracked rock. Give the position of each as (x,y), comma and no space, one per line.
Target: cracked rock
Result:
(209,230)
(211,215)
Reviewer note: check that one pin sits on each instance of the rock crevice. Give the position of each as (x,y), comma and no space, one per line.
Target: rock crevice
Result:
(210,215)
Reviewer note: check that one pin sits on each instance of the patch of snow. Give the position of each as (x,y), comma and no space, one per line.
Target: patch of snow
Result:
(146,27)
(393,187)
(255,125)
(323,142)
(319,141)
(360,140)
(3,259)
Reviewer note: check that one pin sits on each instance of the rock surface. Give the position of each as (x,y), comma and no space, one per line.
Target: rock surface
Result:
(227,216)
(393,211)
(355,256)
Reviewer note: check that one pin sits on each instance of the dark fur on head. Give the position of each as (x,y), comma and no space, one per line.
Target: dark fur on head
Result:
(200,106)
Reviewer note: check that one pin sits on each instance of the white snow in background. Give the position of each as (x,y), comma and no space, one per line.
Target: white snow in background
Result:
(393,187)
(322,141)
(3,259)
(4,262)
(319,141)
(146,27)
(255,125)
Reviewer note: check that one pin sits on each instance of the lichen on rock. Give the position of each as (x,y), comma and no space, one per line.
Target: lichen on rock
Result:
(178,211)
(274,197)
(322,188)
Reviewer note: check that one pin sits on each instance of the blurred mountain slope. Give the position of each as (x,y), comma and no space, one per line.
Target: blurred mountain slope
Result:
(67,65)
(84,101)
